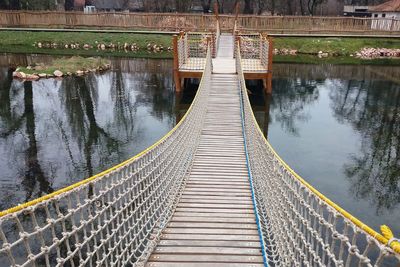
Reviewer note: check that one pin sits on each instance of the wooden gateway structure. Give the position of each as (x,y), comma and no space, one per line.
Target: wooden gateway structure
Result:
(190,51)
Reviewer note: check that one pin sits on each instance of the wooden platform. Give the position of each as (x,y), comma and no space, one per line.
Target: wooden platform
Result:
(223,63)
(214,223)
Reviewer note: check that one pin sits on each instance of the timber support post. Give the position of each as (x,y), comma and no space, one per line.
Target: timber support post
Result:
(177,79)
(269,68)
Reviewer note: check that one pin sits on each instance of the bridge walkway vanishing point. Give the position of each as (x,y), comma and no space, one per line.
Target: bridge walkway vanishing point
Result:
(211,192)
(214,223)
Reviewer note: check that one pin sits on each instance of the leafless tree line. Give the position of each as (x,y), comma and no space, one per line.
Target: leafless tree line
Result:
(268,7)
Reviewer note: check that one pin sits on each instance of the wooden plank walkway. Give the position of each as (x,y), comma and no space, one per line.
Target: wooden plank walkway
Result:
(214,223)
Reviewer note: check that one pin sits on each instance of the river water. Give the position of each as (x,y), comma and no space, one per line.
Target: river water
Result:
(337,126)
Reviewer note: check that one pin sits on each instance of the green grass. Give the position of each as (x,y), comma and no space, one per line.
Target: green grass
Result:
(29,38)
(23,42)
(65,65)
(337,46)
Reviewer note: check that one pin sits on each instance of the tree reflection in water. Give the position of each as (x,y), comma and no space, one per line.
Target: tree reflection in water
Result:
(56,132)
(34,179)
(290,97)
(373,109)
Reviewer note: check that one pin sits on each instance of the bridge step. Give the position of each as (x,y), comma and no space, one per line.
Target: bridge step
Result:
(206,243)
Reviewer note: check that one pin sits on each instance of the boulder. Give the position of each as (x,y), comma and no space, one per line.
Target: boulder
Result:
(19,75)
(32,77)
(58,73)
(79,72)
(42,75)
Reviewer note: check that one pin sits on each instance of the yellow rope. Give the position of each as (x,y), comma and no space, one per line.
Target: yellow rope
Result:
(90,179)
(384,239)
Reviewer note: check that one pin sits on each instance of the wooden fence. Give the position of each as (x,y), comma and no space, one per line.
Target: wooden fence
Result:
(200,22)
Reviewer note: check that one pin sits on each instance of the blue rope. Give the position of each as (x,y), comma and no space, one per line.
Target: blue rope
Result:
(251,180)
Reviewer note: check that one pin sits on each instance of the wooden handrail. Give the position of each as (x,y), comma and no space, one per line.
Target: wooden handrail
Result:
(186,21)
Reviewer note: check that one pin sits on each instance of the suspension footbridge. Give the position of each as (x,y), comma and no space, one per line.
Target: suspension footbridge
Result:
(212,192)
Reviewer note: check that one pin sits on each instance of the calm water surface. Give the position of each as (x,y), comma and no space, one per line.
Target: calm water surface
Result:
(337,126)
(56,132)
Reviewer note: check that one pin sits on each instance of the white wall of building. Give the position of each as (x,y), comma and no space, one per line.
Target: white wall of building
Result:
(386,21)
(389,15)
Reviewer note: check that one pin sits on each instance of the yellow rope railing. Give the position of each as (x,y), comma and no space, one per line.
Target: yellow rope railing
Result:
(114,218)
(285,200)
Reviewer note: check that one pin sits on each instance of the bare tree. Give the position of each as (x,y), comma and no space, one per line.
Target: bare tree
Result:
(69,5)
(15,4)
(206,4)
(312,4)
(182,5)
(248,7)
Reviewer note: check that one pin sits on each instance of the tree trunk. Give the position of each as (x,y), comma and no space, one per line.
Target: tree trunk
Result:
(220,6)
(302,8)
(206,4)
(69,5)
(272,7)
(261,6)
(15,5)
(289,7)
(248,7)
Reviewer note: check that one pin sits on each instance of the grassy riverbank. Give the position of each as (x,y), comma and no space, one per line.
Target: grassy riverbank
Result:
(28,42)
(67,65)
(342,48)
(336,46)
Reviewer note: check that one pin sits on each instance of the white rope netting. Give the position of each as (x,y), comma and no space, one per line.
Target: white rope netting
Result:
(192,51)
(254,49)
(114,218)
(299,226)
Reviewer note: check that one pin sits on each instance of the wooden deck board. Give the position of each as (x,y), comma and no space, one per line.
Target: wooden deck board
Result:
(214,222)
(211,250)
(206,258)
(207,243)
(210,237)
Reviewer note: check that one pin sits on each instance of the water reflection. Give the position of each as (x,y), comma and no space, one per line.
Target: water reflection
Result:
(338,126)
(56,132)
(372,108)
(340,129)
(291,99)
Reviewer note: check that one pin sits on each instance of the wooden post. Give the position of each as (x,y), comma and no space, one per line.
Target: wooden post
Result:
(237,7)
(216,10)
(269,70)
(237,42)
(177,79)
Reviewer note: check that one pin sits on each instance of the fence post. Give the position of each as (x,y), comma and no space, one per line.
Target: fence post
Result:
(237,42)
(177,79)
(269,69)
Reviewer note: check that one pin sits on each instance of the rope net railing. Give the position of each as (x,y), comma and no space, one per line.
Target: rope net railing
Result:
(300,226)
(192,50)
(114,218)
(255,52)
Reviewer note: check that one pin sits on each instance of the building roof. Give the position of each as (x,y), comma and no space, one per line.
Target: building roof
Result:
(389,6)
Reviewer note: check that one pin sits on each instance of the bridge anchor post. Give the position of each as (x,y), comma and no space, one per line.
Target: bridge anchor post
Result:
(177,79)
(268,85)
